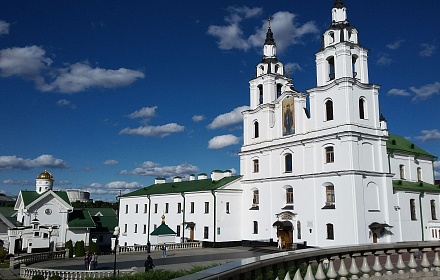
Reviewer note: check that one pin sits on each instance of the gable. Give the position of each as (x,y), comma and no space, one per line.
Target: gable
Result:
(163,229)
(80,218)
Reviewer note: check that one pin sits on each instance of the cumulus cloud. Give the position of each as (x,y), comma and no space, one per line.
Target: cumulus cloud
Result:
(150,168)
(384,59)
(293,66)
(198,118)
(222,141)
(231,36)
(31,63)
(156,131)
(44,161)
(396,44)
(437,169)
(426,91)
(427,50)
(4,28)
(111,162)
(398,92)
(145,112)
(115,188)
(227,119)
(66,103)
(18,182)
(429,135)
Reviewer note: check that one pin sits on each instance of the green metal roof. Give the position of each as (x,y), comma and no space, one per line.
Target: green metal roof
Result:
(80,218)
(9,214)
(163,229)
(399,143)
(184,186)
(402,185)
(108,220)
(31,196)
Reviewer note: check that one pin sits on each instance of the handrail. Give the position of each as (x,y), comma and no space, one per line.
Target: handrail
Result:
(379,260)
(15,262)
(157,247)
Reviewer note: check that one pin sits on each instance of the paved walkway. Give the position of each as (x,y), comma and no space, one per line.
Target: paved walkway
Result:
(176,260)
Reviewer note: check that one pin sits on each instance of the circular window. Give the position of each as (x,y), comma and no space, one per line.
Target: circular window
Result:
(48,211)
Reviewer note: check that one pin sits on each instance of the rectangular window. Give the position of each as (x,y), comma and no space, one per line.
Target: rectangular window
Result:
(288,163)
(289,195)
(125,228)
(330,233)
(206,233)
(155,208)
(192,207)
(145,229)
(135,228)
(330,195)
(433,210)
(227,208)
(179,207)
(166,207)
(36,234)
(178,230)
(256,198)
(412,204)
(145,208)
(126,209)
(402,171)
(329,155)
(206,207)
(256,166)
(137,208)
(155,227)
(255,227)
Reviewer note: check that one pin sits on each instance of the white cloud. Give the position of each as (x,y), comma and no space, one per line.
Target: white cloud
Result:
(111,162)
(429,135)
(384,59)
(231,36)
(198,118)
(44,161)
(227,119)
(427,50)
(396,44)
(292,66)
(31,63)
(66,103)
(154,169)
(158,131)
(426,91)
(145,112)
(399,92)
(222,141)
(437,169)
(19,182)
(4,27)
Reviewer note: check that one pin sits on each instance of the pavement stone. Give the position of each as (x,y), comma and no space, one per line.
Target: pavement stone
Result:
(175,260)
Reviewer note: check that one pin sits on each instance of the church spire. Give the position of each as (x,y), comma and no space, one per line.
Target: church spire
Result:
(269,36)
(270,48)
(338,4)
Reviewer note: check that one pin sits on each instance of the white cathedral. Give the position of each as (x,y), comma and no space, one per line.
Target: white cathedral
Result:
(317,167)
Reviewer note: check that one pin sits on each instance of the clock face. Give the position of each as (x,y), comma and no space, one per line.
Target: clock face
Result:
(48,211)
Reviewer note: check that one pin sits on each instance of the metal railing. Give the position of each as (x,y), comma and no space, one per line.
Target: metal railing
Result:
(15,262)
(170,246)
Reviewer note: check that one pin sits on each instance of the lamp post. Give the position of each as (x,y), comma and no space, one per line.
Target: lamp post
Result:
(49,230)
(20,234)
(116,236)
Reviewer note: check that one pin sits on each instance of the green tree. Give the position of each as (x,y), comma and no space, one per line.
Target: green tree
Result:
(94,248)
(69,245)
(79,249)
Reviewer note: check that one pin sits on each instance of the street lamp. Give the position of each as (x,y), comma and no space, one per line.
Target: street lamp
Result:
(49,230)
(116,236)
(20,234)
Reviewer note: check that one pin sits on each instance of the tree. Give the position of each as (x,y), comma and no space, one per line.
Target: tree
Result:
(69,245)
(79,249)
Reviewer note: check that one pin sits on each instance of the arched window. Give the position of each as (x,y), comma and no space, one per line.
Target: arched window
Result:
(419,174)
(256,166)
(412,204)
(402,171)
(353,62)
(279,88)
(361,108)
(288,163)
(329,195)
(329,110)
(329,154)
(256,198)
(260,92)
(289,195)
(330,232)
(433,210)
(256,130)
(331,67)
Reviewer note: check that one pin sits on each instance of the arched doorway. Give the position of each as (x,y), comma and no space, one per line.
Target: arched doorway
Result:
(284,233)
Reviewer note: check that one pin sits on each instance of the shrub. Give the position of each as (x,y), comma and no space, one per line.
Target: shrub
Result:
(79,248)
(38,277)
(55,277)
(94,248)
(69,245)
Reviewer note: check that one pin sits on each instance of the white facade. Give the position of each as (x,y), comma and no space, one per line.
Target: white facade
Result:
(318,167)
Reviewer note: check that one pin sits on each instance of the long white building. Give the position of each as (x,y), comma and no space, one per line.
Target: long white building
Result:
(317,167)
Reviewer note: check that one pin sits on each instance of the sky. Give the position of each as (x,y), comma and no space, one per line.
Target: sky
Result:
(108,95)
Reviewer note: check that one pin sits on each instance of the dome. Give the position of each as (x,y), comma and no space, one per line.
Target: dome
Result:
(45,175)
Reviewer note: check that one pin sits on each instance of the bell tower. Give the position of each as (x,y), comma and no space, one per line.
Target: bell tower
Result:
(44,182)
(341,55)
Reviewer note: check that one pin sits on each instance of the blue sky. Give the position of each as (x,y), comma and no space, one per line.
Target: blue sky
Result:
(108,95)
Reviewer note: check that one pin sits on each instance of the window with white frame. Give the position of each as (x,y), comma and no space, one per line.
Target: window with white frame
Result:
(289,195)
(206,207)
(255,227)
(136,208)
(256,197)
(329,154)
(288,163)
(330,232)
(412,205)
(433,210)
(329,110)
(256,166)
(329,195)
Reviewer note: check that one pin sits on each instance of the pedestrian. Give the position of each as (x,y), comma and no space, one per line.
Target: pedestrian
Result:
(279,244)
(149,263)
(87,260)
(94,261)
(164,250)
(148,247)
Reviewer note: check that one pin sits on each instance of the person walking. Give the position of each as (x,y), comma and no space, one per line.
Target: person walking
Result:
(94,261)
(149,264)
(164,250)
(87,260)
